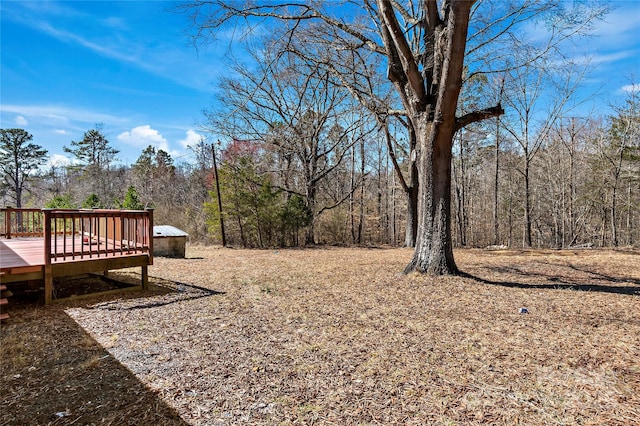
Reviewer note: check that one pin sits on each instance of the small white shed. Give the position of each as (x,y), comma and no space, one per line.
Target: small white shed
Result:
(169,241)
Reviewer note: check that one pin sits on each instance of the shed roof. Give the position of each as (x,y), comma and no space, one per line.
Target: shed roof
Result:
(168,231)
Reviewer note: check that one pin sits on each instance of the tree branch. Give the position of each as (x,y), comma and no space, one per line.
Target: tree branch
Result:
(392,154)
(480,115)
(343,199)
(409,65)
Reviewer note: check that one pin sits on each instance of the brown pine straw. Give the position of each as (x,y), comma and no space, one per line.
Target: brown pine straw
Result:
(337,336)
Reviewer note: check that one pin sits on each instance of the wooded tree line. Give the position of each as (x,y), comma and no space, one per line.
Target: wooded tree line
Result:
(322,141)
(580,183)
(583,186)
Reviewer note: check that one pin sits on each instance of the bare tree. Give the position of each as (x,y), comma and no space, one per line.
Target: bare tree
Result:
(570,132)
(616,162)
(538,94)
(305,120)
(423,46)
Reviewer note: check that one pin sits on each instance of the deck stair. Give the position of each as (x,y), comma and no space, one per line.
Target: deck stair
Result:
(4,301)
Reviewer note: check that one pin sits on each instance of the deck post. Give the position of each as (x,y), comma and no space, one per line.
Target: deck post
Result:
(145,278)
(7,223)
(46,269)
(47,236)
(150,233)
(48,284)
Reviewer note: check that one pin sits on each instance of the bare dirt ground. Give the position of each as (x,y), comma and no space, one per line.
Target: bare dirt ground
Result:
(336,336)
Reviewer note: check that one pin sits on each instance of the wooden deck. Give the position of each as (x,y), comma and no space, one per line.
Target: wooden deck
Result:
(57,243)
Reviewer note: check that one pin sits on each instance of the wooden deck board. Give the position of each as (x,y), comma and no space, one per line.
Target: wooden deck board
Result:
(17,253)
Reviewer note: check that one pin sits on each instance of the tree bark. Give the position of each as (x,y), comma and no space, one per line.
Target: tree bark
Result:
(435,130)
(434,247)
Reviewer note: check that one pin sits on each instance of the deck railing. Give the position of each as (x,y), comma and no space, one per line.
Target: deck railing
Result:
(79,234)
(87,234)
(19,222)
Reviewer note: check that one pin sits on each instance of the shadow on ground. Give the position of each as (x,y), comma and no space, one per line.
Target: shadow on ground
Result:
(167,292)
(606,283)
(53,372)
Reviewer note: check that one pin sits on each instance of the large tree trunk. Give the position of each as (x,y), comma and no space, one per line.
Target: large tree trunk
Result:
(434,247)
(435,127)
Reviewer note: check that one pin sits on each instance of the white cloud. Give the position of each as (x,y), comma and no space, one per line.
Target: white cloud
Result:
(192,139)
(607,58)
(631,88)
(96,46)
(61,132)
(61,114)
(21,121)
(143,136)
(59,160)
(620,25)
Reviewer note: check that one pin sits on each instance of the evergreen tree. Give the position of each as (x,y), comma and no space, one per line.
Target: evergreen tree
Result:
(131,200)
(95,155)
(93,149)
(61,202)
(19,160)
(92,202)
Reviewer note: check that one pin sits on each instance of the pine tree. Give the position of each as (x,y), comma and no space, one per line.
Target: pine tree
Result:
(19,160)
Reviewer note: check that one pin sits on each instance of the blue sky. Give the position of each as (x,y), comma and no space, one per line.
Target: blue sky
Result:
(68,65)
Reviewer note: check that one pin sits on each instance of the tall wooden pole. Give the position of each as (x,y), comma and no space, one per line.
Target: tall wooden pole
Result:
(215,175)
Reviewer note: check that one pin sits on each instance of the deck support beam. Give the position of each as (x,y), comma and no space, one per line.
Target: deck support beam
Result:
(48,284)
